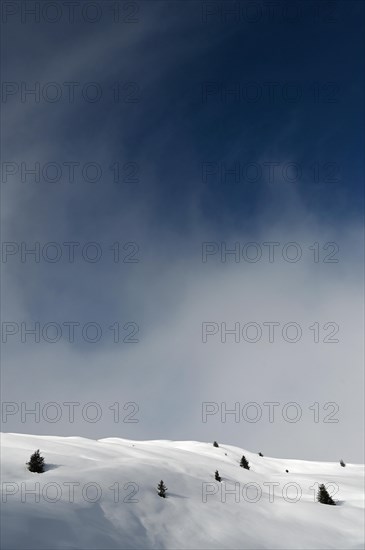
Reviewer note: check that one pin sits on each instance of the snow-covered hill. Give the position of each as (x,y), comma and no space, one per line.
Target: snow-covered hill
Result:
(75,503)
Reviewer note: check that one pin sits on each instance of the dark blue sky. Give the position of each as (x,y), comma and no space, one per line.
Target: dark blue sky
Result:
(299,75)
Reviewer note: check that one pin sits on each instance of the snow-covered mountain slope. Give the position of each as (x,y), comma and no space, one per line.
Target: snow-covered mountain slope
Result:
(75,503)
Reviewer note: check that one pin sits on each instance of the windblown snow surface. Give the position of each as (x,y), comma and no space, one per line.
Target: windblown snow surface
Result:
(75,503)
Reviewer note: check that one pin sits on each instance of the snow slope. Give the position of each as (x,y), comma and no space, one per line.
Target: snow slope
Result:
(75,503)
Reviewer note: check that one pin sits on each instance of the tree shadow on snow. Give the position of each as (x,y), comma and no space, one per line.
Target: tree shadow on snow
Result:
(51,467)
(175,495)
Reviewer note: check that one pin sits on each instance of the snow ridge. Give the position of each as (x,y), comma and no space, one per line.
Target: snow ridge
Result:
(103,495)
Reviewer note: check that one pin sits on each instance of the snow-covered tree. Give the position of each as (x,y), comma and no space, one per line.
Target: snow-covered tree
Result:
(36,463)
(324,497)
(244,463)
(161,489)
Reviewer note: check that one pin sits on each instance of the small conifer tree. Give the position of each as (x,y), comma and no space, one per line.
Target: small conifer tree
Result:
(161,489)
(215,444)
(342,463)
(244,463)
(217,476)
(260,454)
(36,463)
(324,497)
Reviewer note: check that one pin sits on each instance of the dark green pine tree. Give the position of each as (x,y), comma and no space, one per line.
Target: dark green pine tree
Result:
(36,463)
(260,454)
(161,489)
(217,477)
(324,497)
(342,463)
(244,463)
(215,444)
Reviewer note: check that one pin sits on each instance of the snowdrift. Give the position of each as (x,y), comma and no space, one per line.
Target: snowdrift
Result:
(102,495)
